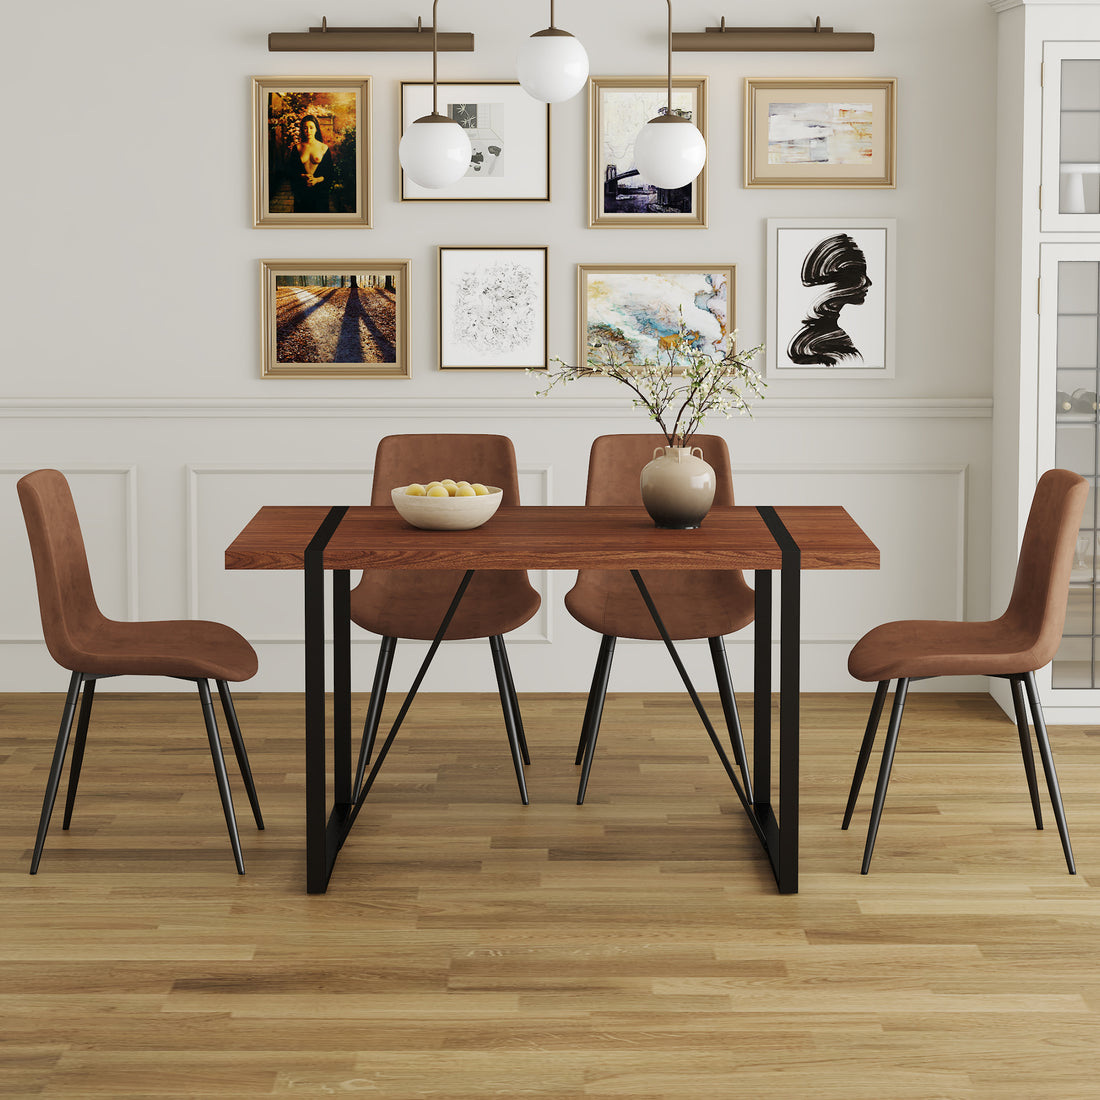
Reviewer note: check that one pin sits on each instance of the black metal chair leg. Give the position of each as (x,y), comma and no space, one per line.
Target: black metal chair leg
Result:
(1024,729)
(239,750)
(1048,767)
(374,708)
(599,693)
(596,692)
(729,708)
(78,749)
(219,771)
(496,645)
(511,686)
(865,750)
(884,771)
(55,768)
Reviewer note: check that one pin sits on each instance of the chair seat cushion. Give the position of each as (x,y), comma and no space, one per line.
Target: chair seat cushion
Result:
(930,647)
(191,648)
(691,603)
(411,603)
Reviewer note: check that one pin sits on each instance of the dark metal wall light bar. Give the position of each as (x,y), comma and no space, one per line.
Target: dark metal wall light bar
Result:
(785,39)
(370,39)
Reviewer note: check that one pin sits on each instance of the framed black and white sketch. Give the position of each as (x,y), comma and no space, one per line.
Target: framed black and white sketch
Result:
(492,308)
(618,194)
(830,298)
(509,136)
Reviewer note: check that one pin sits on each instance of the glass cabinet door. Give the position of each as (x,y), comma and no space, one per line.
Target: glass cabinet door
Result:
(1071,137)
(1069,435)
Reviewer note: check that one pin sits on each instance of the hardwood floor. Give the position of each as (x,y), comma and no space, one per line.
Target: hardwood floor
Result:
(469,947)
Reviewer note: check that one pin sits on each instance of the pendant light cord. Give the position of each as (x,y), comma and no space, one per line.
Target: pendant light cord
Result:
(669,56)
(435,54)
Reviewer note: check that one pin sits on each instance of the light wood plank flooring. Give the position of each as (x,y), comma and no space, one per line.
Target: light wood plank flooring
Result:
(469,947)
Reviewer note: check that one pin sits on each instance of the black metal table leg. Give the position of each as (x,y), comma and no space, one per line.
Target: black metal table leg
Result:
(782,831)
(341,687)
(322,840)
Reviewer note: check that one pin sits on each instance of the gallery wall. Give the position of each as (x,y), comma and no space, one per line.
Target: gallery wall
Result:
(131,302)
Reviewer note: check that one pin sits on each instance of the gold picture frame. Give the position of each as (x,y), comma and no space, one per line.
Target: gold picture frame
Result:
(644,302)
(328,190)
(317,322)
(493,307)
(618,107)
(812,132)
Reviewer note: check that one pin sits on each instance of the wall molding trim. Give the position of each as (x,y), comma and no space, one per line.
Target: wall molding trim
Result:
(386,408)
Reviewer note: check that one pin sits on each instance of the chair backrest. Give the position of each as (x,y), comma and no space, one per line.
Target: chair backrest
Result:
(66,601)
(1039,595)
(615,466)
(401,459)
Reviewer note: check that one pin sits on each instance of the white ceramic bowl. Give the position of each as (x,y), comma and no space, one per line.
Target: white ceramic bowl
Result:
(446,513)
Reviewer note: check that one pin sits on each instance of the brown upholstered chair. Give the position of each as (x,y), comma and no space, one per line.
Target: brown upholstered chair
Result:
(692,604)
(1013,647)
(92,647)
(411,604)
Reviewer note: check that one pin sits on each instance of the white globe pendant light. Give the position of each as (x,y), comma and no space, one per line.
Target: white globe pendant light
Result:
(669,151)
(552,65)
(434,151)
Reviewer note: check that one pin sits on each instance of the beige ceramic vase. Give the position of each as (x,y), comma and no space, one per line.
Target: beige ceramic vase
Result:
(678,487)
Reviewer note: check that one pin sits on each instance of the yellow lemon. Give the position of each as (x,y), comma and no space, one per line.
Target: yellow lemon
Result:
(462,484)
(465,491)
(450,485)
(432,484)
(437,491)
(415,490)
(479,489)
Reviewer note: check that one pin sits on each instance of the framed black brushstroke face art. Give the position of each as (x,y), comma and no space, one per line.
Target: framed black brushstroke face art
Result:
(830,298)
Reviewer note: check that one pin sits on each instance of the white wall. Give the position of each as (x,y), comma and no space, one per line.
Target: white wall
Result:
(130,301)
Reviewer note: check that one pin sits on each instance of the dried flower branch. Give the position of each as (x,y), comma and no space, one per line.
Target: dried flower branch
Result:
(685,385)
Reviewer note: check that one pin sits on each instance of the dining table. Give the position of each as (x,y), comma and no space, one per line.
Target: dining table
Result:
(325,541)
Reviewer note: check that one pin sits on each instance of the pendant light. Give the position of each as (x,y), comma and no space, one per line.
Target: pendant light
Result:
(669,151)
(552,65)
(435,150)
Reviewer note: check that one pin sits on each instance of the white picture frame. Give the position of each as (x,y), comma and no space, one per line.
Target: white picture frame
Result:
(830,298)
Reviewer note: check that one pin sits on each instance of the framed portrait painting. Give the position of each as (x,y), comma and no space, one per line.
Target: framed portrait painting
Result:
(509,136)
(830,298)
(335,318)
(806,132)
(311,152)
(618,194)
(492,308)
(634,307)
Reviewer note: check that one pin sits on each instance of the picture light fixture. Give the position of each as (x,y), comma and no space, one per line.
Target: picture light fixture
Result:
(773,39)
(371,39)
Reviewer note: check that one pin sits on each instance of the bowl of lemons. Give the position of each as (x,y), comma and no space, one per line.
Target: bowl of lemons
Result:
(446,505)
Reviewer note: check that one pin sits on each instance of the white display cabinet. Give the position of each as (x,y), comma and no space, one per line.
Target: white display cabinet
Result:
(1047,339)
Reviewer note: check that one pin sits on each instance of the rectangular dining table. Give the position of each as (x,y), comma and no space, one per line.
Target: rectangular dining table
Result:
(320,540)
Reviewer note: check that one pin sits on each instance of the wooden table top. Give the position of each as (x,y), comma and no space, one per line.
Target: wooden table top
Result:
(540,537)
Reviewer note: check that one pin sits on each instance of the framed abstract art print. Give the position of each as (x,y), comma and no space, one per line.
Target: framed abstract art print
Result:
(492,308)
(808,132)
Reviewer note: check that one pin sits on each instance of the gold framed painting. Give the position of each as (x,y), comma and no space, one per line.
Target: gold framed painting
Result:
(636,306)
(618,194)
(311,152)
(335,318)
(810,132)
